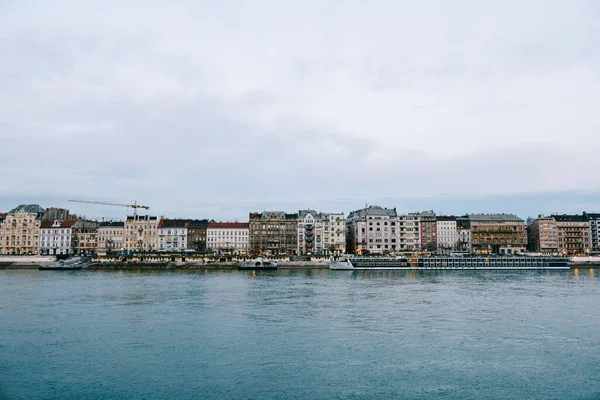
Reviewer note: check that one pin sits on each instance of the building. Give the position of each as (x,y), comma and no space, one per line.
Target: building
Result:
(228,237)
(594,221)
(197,234)
(85,237)
(428,231)
(497,233)
(372,230)
(310,232)
(542,235)
(463,226)
(110,237)
(447,234)
(273,232)
(2,219)
(56,237)
(140,233)
(409,238)
(60,214)
(21,230)
(334,233)
(573,234)
(172,235)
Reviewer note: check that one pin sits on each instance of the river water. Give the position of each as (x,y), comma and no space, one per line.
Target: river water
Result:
(300,334)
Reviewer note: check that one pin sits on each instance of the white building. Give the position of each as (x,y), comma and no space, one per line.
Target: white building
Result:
(447,234)
(56,237)
(310,232)
(594,220)
(110,236)
(172,235)
(373,230)
(409,238)
(228,237)
(334,233)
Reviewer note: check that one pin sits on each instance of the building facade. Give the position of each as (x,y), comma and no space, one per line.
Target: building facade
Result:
(56,237)
(428,231)
(197,234)
(273,232)
(373,230)
(447,234)
(409,238)
(172,235)
(2,219)
(60,214)
(594,221)
(140,233)
(21,230)
(497,233)
(85,237)
(573,234)
(334,233)
(110,236)
(228,237)
(310,232)
(542,235)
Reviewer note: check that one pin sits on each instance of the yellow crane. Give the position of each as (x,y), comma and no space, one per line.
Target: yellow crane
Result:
(134,205)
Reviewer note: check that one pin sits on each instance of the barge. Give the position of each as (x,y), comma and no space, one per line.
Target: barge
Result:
(454,263)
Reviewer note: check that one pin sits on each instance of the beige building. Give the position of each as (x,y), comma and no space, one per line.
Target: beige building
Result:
(542,234)
(140,233)
(573,234)
(334,233)
(497,233)
(409,238)
(21,230)
(110,237)
(85,237)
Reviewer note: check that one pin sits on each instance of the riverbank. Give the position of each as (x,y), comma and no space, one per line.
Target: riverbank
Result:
(193,265)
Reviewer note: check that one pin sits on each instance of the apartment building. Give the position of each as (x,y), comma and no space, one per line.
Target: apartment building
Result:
(497,233)
(573,233)
(334,233)
(197,234)
(427,230)
(140,233)
(409,238)
(172,235)
(542,235)
(594,221)
(273,232)
(56,237)
(310,232)
(21,230)
(85,237)
(110,236)
(447,234)
(228,237)
(373,230)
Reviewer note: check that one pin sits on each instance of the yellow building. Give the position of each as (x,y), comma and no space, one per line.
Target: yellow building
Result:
(140,233)
(21,230)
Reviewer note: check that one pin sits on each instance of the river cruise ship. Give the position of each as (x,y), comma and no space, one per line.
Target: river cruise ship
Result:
(440,262)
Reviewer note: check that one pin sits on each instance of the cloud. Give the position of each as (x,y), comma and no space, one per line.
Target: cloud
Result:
(206,108)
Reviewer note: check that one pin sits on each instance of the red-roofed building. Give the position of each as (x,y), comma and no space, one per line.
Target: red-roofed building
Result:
(228,237)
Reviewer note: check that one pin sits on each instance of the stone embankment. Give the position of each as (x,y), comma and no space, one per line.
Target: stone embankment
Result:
(25,262)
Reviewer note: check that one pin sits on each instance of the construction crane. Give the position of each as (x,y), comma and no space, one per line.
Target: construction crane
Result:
(134,205)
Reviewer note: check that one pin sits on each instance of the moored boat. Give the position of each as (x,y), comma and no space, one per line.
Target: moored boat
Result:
(259,263)
(440,262)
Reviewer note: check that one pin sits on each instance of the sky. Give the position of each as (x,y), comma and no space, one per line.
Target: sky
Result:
(210,109)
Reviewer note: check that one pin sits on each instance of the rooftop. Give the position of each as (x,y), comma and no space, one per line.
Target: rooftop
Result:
(494,217)
(112,224)
(173,223)
(570,218)
(28,208)
(373,210)
(228,225)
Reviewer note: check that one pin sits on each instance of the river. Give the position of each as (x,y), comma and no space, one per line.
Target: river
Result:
(299,334)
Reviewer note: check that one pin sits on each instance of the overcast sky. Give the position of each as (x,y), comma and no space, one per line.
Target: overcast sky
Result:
(214,109)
